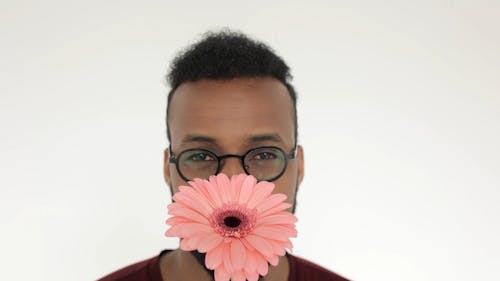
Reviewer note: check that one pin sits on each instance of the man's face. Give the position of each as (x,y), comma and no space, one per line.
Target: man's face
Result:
(232,117)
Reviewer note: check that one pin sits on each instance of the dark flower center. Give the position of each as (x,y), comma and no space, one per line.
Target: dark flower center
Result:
(232,221)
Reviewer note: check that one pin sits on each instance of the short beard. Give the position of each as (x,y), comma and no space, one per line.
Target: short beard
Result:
(294,204)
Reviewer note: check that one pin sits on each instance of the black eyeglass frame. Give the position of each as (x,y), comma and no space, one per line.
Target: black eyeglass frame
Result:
(174,160)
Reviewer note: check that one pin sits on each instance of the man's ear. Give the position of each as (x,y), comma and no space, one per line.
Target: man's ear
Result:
(166,167)
(300,168)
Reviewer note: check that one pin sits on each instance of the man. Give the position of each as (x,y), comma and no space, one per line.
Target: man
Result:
(230,97)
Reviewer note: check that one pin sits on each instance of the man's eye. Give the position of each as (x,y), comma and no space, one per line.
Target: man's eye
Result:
(265,156)
(201,157)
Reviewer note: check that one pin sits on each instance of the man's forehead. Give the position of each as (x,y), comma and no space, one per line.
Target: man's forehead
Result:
(247,109)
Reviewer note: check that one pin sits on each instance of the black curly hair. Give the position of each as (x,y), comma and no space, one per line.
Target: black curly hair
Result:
(226,55)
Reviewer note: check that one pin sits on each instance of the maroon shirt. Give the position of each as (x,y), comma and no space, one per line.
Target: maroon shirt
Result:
(149,270)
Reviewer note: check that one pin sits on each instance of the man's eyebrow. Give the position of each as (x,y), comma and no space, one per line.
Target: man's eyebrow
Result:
(265,137)
(187,139)
(197,138)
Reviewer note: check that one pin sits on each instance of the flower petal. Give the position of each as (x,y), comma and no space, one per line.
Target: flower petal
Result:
(214,195)
(188,244)
(214,257)
(177,220)
(182,210)
(221,274)
(238,275)
(194,199)
(288,245)
(278,218)
(236,182)
(247,245)
(247,188)
(270,202)
(276,232)
(278,247)
(252,276)
(261,191)
(274,260)
(188,229)
(278,208)
(199,185)
(262,266)
(193,229)
(226,258)
(251,261)
(209,242)
(238,254)
(223,185)
(172,232)
(260,244)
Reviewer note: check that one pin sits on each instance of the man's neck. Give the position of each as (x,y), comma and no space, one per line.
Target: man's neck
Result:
(180,265)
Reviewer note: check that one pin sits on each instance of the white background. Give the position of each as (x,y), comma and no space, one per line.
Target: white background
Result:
(399,105)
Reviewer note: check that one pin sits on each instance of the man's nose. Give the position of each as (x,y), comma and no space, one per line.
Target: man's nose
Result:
(231,166)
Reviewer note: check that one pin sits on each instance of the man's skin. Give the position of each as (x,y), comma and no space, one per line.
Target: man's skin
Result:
(230,117)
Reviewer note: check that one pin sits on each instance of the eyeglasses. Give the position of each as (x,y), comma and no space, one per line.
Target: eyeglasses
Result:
(266,163)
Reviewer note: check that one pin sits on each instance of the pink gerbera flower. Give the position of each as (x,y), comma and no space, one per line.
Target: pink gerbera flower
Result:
(237,222)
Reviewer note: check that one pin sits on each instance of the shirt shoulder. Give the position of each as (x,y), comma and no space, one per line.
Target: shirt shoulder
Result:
(146,270)
(301,269)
